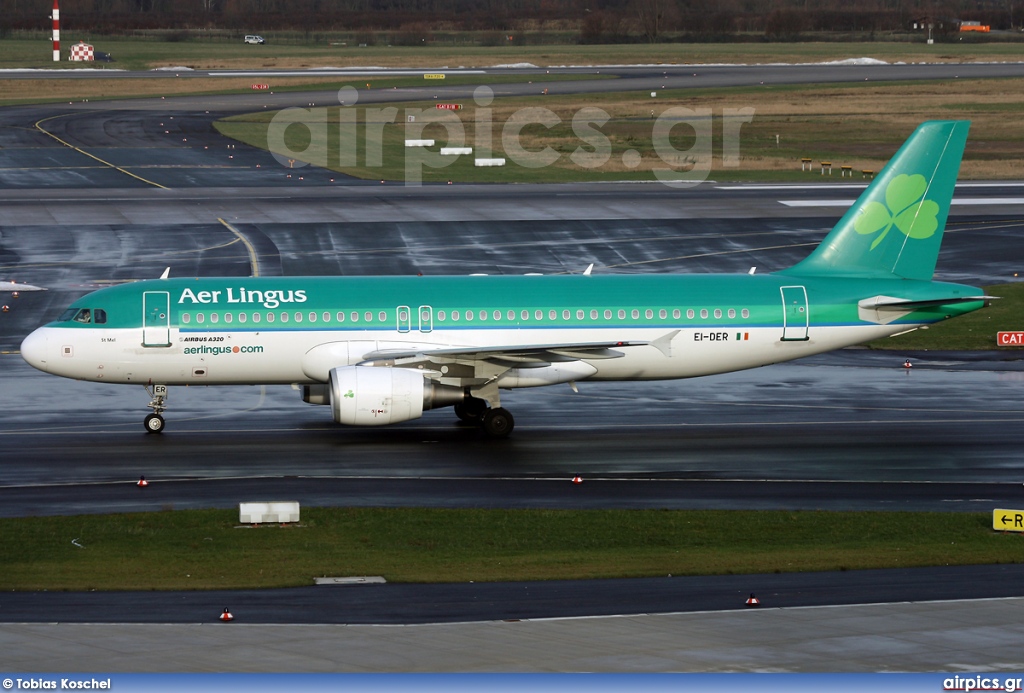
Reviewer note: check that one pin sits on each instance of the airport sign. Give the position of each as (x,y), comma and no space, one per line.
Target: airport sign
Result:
(433,76)
(449,106)
(1010,338)
(1008,520)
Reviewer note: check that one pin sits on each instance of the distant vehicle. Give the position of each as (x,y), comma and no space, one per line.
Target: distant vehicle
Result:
(252,38)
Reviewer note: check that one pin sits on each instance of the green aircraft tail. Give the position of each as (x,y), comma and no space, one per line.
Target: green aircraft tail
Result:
(895,227)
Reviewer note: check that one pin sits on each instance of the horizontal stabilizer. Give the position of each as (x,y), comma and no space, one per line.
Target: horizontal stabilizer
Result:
(887,303)
(883,310)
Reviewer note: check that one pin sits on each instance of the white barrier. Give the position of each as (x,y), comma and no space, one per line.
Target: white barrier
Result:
(455,151)
(358,580)
(490,162)
(274,511)
(419,143)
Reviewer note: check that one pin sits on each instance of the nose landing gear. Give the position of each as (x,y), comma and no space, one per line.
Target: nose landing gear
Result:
(154,422)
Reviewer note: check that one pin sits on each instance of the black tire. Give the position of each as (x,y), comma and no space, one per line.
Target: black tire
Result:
(471,409)
(497,423)
(154,423)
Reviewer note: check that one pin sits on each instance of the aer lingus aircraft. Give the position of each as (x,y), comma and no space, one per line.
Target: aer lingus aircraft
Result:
(381,350)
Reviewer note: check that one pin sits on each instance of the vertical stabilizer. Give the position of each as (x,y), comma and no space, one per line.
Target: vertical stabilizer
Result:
(895,227)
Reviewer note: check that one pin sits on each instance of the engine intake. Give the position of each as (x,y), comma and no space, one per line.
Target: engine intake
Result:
(371,396)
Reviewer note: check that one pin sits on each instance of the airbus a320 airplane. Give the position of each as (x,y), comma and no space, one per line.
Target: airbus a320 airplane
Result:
(381,350)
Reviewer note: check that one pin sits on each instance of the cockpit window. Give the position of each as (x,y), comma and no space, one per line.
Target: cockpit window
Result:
(86,316)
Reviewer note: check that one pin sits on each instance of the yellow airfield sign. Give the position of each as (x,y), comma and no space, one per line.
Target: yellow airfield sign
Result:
(433,76)
(1008,520)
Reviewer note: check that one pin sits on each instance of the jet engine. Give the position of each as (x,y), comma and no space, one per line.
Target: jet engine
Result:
(374,396)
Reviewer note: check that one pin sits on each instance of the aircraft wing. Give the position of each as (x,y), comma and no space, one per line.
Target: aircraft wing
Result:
(535,355)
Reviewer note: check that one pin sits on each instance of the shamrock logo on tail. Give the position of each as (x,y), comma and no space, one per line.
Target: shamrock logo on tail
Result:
(903,208)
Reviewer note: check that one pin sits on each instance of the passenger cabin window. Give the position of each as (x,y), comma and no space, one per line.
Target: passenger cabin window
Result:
(745,313)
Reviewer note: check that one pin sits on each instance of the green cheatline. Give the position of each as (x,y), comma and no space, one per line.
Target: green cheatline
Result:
(208,550)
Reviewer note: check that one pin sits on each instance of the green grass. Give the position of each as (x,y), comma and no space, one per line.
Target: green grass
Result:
(206,550)
(974,331)
(790,122)
(294,51)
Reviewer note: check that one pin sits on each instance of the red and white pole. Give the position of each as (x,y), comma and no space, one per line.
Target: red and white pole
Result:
(56,32)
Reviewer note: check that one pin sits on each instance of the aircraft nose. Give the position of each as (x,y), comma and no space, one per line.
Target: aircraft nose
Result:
(34,349)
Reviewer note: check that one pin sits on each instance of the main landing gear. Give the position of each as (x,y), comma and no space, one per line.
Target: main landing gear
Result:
(495,422)
(154,422)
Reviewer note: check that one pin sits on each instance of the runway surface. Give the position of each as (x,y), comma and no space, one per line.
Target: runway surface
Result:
(850,430)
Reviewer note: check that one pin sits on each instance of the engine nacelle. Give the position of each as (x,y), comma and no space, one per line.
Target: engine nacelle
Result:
(371,396)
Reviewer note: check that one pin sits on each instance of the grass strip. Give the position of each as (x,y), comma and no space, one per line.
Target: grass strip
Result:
(206,549)
(854,125)
(295,52)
